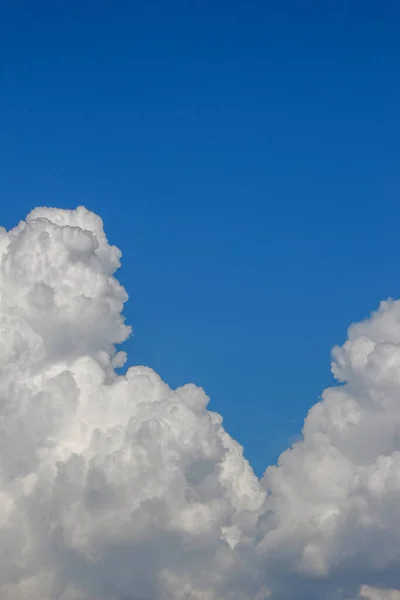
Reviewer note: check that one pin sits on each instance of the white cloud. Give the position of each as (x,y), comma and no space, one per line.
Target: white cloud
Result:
(335,495)
(111,487)
(119,488)
(378,594)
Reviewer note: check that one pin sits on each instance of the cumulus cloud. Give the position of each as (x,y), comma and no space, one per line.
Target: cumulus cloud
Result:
(112,487)
(334,497)
(115,487)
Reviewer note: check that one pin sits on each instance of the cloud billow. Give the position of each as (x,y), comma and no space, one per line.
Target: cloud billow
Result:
(115,487)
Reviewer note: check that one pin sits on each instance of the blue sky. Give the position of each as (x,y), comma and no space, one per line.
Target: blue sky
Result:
(243,155)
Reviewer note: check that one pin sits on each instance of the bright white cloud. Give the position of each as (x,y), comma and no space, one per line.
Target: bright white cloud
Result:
(119,488)
(335,495)
(111,487)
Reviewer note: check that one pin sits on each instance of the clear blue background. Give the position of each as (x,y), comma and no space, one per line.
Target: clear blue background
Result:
(244,155)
